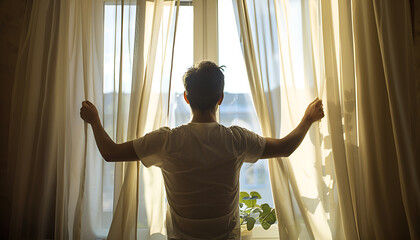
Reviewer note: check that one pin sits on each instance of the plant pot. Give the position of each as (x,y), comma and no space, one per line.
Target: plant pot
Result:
(245,234)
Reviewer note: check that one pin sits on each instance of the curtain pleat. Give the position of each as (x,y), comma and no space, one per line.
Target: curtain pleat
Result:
(141,199)
(32,127)
(334,79)
(55,164)
(396,47)
(354,174)
(383,53)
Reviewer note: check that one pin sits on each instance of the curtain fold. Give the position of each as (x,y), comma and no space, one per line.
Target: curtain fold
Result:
(396,45)
(355,173)
(339,81)
(57,172)
(384,70)
(45,172)
(260,47)
(142,191)
(30,126)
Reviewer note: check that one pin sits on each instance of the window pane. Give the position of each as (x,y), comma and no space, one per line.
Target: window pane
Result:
(179,111)
(183,58)
(112,54)
(237,107)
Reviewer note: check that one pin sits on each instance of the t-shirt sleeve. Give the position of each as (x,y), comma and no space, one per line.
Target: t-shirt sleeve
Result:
(149,147)
(250,144)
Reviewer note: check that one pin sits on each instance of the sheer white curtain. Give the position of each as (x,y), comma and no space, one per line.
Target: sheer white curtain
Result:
(141,200)
(51,151)
(303,185)
(356,169)
(55,167)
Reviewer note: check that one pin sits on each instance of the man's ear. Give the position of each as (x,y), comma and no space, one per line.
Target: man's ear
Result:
(221,99)
(185,97)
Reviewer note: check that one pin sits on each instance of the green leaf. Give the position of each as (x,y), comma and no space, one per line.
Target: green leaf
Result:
(241,205)
(271,217)
(245,198)
(256,210)
(268,219)
(255,194)
(250,223)
(266,209)
(250,203)
(250,198)
(265,225)
(242,195)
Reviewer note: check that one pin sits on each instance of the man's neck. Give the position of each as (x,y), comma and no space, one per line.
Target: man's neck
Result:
(203,116)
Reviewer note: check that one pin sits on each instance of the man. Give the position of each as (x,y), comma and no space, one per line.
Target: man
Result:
(201,161)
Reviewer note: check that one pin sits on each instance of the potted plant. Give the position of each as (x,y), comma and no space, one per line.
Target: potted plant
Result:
(250,212)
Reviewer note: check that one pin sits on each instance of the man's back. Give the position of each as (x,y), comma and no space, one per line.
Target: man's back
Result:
(200,164)
(200,161)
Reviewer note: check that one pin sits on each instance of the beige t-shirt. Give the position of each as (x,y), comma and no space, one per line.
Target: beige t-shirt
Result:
(200,163)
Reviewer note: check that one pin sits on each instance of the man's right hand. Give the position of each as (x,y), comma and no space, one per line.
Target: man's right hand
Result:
(315,111)
(283,147)
(89,113)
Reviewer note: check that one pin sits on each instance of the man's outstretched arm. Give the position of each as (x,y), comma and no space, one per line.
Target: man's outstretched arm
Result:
(110,151)
(283,147)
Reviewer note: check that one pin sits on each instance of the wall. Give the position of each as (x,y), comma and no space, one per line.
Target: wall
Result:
(416,36)
(11,19)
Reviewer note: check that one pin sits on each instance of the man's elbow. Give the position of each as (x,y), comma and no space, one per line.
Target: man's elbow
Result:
(110,153)
(108,156)
(288,151)
(287,154)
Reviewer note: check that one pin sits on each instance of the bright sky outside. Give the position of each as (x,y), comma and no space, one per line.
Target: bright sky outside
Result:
(229,49)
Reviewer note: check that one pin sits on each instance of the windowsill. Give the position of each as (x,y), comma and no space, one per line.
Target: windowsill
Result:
(270,234)
(257,233)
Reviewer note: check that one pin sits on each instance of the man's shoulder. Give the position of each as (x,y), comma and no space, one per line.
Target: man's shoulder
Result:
(239,129)
(160,130)
(168,131)
(183,129)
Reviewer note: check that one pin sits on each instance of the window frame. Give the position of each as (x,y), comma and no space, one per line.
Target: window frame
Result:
(206,39)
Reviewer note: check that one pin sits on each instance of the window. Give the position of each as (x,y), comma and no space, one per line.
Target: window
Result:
(238,108)
(191,46)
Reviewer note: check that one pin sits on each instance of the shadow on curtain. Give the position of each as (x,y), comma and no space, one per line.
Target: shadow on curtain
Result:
(356,172)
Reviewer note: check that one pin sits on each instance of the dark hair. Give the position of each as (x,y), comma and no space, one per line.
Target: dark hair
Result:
(204,83)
